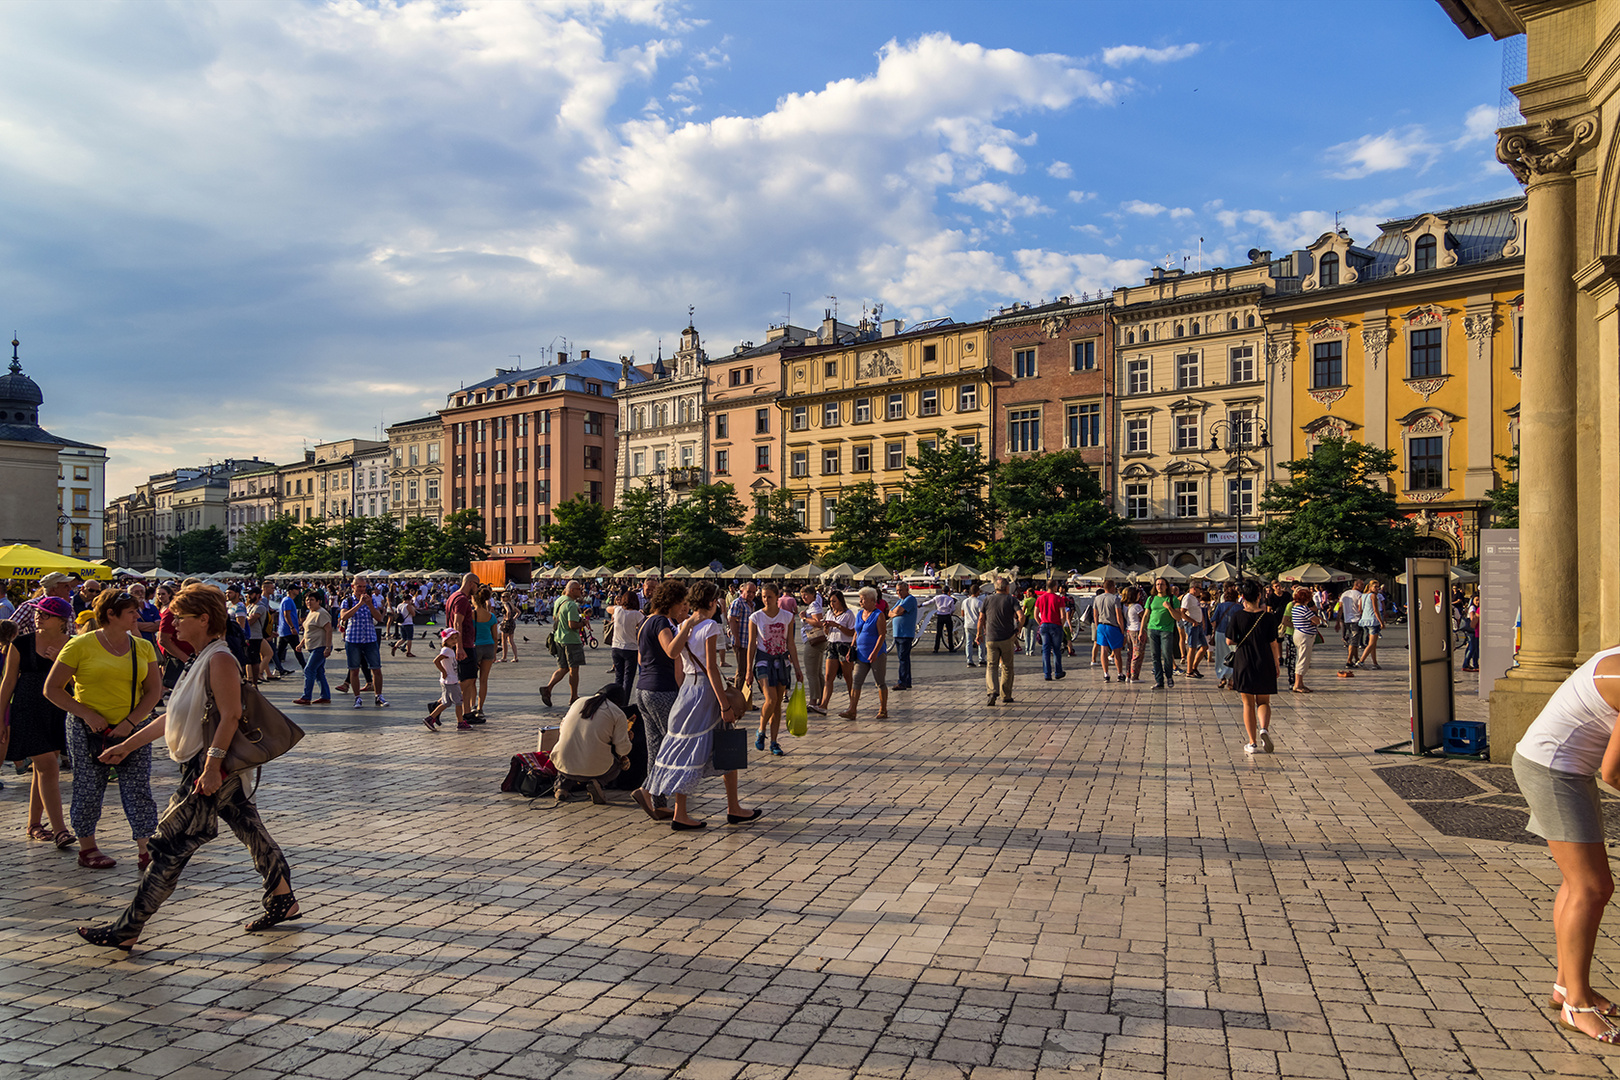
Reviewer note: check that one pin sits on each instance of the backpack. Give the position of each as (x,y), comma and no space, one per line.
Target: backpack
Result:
(530,775)
(236,640)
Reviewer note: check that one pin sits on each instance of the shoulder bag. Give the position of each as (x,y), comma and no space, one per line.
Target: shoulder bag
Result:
(728,743)
(263,734)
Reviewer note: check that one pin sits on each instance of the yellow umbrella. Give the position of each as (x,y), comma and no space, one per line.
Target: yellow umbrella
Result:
(31,563)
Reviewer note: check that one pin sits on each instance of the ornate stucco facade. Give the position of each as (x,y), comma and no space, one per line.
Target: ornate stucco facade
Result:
(661,419)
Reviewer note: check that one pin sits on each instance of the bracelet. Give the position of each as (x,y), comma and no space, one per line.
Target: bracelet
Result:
(215,752)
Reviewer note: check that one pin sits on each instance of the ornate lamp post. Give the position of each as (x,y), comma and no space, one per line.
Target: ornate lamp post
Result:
(1240,436)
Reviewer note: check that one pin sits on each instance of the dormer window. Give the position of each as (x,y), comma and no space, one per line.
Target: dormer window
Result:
(1426,256)
(1327,270)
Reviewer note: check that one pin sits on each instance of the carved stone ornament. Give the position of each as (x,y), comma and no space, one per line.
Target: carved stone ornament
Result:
(1428,315)
(1328,426)
(1053,325)
(877,363)
(1280,354)
(1327,397)
(1548,148)
(1428,496)
(1376,341)
(798,374)
(1479,328)
(967,346)
(1426,425)
(1514,248)
(1427,386)
(1329,328)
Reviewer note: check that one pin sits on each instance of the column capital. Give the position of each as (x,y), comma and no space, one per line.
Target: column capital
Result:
(1546,149)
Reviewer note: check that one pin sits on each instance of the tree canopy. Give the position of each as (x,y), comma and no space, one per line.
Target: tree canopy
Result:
(196,551)
(577,532)
(943,514)
(1055,496)
(774,534)
(632,530)
(704,527)
(1335,511)
(860,532)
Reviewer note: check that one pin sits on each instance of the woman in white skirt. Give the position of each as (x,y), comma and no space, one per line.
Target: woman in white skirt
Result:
(1556,764)
(702,705)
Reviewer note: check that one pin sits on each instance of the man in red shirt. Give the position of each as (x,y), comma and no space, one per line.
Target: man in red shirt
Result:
(458,615)
(1050,609)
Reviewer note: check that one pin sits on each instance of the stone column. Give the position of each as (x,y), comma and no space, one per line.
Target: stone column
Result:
(1542,156)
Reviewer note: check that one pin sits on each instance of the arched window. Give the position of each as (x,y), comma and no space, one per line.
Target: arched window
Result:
(1427,250)
(1194,329)
(1130,337)
(1232,323)
(1180,330)
(1251,322)
(1327,270)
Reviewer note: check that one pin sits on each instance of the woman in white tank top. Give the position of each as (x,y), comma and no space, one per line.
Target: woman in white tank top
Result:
(1556,764)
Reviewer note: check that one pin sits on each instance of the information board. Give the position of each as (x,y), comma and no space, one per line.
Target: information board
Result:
(1428,584)
(1498,605)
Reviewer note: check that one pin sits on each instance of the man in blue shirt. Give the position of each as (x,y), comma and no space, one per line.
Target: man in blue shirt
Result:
(903,617)
(288,625)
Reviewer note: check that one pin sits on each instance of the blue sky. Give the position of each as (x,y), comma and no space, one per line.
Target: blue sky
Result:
(228,229)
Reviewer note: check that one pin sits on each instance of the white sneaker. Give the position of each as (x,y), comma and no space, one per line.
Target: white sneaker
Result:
(1265,741)
(1250,748)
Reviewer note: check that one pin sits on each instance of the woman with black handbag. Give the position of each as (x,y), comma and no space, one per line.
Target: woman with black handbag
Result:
(703,708)
(198,727)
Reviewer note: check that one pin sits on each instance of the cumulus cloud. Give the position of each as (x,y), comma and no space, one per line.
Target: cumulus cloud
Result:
(1000,199)
(1060,170)
(1150,209)
(1394,149)
(1120,55)
(1081,196)
(1478,126)
(1294,230)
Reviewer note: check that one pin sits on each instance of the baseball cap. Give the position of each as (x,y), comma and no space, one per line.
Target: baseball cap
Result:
(55,577)
(55,605)
(85,616)
(448,633)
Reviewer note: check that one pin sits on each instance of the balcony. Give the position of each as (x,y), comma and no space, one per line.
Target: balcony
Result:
(685,476)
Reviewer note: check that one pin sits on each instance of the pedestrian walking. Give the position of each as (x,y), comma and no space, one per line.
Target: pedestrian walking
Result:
(903,623)
(998,628)
(31,727)
(484,646)
(317,628)
(1372,626)
(870,652)
(1163,617)
(839,623)
(702,706)
(1305,621)
(813,636)
(289,621)
(405,610)
(458,613)
(944,609)
(1253,638)
(198,727)
(509,620)
(1135,630)
(1196,610)
(567,624)
(626,629)
(361,644)
(1220,619)
(1108,617)
(771,649)
(1050,610)
(972,604)
(1349,621)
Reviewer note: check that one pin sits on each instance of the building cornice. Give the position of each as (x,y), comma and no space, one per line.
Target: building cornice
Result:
(1411,288)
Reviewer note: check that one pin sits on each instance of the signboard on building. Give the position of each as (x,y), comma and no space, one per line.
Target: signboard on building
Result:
(1231,538)
(1498,605)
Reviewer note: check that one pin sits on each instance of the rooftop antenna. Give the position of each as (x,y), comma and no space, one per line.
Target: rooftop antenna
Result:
(1200,254)
(790,308)
(834,300)
(519,358)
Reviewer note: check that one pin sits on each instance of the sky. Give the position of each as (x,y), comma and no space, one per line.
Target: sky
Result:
(237,229)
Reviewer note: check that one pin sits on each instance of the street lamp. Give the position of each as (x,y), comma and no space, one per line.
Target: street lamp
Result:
(658,471)
(62,523)
(1244,434)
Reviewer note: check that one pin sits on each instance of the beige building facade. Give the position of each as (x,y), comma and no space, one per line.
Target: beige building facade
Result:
(661,428)
(416,469)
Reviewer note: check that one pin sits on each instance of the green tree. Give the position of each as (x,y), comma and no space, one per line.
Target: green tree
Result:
(417,543)
(861,530)
(311,548)
(774,535)
(461,542)
(1505,499)
(577,532)
(632,531)
(261,546)
(1056,497)
(705,526)
(379,547)
(1334,511)
(943,514)
(196,551)
(348,543)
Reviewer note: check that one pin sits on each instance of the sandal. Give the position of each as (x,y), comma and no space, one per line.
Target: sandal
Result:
(1608,1008)
(276,910)
(38,832)
(95,860)
(881,716)
(1566,1019)
(63,840)
(103,936)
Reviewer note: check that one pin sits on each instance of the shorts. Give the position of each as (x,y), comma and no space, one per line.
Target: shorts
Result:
(1370,631)
(481,653)
(407,630)
(363,654)
(1564,807)
(467,668)
(838,650)
(570,656)
(773,671)
(1196,638)
(450,693)
(1109,636)
(1355,636)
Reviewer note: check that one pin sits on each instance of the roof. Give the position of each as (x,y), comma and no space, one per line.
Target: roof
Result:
(35,434)
(434,419)
(571,375)
(1481,231)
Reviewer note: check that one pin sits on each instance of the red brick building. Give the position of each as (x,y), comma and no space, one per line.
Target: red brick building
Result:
(1050,381)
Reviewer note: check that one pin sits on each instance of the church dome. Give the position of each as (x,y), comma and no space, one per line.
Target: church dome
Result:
(20,397)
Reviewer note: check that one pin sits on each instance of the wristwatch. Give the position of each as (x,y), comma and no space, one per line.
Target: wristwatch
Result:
(216,752)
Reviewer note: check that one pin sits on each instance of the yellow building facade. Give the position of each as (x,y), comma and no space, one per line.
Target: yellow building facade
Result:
(1412,344)
(855,410)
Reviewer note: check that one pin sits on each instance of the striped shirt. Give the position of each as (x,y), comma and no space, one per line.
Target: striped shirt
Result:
(1305,620)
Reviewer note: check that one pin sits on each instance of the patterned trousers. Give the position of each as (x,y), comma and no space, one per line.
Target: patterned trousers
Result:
(654,708)
(90,786)
(189,822)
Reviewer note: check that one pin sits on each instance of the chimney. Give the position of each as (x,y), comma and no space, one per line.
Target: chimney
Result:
(891,327)
(562,358)
(584,354)
(829,326)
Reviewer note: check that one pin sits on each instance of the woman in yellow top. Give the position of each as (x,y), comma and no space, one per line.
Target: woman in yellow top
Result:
(116,684)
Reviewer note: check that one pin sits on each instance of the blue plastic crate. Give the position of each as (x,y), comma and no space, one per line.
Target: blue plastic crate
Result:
(1464,737)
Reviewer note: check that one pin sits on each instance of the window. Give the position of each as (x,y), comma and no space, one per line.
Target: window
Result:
(967,398)
(1130,337)
(1243,364)
(1136,436)
(1240,496)
(830,369)
(520,458)
(433,453)
(686,457)
(411,490)
(1181,331)
(81,472)
(81,502)
(1136,502)
(1327,364)
(1327,270)
(1425,258)
(542,422)
(829,512)
(1024,364)
(762,421)
(660,460)
(1232,323)
(432,491)
(1187,371)
(542,457)
(1426,471)
(1085,356)
(520,529)
(500,494)
(722,461)
(479,427)
(478,463)
(1187,432)
(800,463)
(1425,351)
(1194,329)
(897,406)
(1240,424)
(894,455)
(926,444)
(829,414)
(638,463)
(800,509)
(593,423)
(522,432)
(863,410)
(1023,430)
(928,403)
(500,461)
(742,376)
(593,457)
(416,456)
(829,461)
(1084,425)
(930,353)
(1136,376)
(1186,498)
(595,389)
(762,459)
(967,442)
(721,427)
(801,418)
(542,492)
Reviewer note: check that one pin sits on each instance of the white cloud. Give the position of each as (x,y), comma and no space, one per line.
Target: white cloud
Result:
(1119,55)
(1181,212)
(1381,153)
(1081,196)
(1000,199)
(1060,170)
(1295,230)
(1478,126)
(1143,209)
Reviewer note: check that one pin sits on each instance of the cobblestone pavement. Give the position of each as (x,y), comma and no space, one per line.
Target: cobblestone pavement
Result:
(1094,881)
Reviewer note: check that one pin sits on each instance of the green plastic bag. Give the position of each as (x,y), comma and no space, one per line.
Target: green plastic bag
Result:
(798,713)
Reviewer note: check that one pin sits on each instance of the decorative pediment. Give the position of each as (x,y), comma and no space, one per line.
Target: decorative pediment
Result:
(1427,421)
(1330,425)
(1445,248)
(876,364)
(1338,248)
(1328,328)
(1427,315)
(1242,463)
(1137,471)
(1188,404)
(1195,466)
